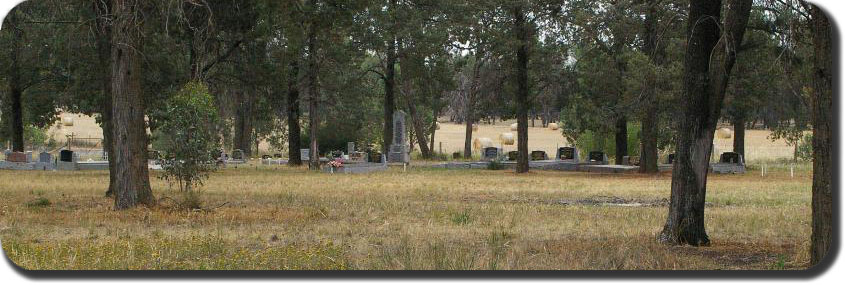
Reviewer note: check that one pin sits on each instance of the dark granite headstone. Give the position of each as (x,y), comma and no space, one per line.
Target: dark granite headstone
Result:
(513,155)
(566,153)
(66,155)
(731,157)
(238,154)
(670,159)
(597,156)
(539,155)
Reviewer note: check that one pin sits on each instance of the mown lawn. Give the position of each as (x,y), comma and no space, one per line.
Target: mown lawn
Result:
(281,218)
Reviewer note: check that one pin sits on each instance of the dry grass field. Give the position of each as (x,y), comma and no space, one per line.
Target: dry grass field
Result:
(262,217)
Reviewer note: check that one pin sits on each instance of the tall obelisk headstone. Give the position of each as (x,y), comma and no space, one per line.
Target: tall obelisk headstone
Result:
(399,149)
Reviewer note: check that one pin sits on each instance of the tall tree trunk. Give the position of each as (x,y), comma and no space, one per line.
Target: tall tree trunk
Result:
(707,66)
(294,155)
(822,105)
(648,150)
(314,97)
(243,122)
(15,85)
(739,136)
(469,112)
(419,127)
(132,183)
(522,104)
(103,30)
(389,95)
(621,138)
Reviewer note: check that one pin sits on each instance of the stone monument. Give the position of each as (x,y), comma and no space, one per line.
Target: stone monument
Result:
(399,150)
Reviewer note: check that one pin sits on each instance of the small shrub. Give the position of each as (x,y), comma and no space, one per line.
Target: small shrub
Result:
(495,165)
(38,202)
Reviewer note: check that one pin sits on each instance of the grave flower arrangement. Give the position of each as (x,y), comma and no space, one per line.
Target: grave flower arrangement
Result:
(337,163)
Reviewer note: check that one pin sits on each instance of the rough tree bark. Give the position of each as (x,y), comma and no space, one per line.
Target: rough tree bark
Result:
(648,150)
(243,122)
(469,112)
(14,82)
(707,66)
(103,30)
(739,135)
(389,95)
(314,96)
(294,156)
(132,181)
(822,105)
(419,128)
(621,138)
(522,104)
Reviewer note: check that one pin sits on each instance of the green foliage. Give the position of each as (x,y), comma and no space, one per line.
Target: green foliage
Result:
(804,150)
(39,202)
(605,141)
(187,138)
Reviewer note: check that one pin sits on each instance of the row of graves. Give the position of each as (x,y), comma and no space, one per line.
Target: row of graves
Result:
(567,159)
(67,160)
(369,160)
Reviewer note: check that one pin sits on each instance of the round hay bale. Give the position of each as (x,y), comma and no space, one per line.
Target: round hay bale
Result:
(724,133)
(514,127)
(554,126)
(67,121)
(474,127)
(507,138)
(480,143)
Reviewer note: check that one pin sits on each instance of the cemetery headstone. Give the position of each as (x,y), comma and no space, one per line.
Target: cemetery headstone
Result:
(238,154)
(670,159)
(398,148)
(490,153)
(567,153)
(350,147)
(28,156)
(45,157)
(731,157)
(16,157)
(513,155)
(598,156)
(7,152)
(539,155)
(66,155)
(305,154)
(729,162)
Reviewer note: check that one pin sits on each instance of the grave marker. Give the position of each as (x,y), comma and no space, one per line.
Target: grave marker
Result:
(45,157)
(398,151)
(490,153)
(539,155)
(567,153)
